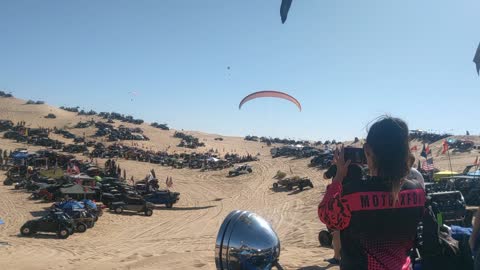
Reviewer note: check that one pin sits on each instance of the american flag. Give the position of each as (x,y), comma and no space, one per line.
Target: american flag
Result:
(428,165)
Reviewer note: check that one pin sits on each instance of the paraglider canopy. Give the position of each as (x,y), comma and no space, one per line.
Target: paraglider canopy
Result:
(284,8)
(476,59)
(270,94)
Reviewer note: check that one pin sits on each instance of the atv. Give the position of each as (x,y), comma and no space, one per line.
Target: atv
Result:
(54,222)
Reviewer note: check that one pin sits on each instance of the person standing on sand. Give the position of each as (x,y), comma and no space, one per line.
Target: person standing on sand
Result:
(414,174)
(378,222)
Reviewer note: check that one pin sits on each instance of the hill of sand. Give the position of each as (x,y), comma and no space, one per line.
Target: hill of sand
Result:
(181,238)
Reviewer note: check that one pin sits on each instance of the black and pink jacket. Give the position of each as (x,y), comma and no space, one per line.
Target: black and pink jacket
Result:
(377,232)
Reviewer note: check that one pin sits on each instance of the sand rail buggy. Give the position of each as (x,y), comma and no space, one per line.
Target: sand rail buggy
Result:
(290,183)
(55,222)
(244,169)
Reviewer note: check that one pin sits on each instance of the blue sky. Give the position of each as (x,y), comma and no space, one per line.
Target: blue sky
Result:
(346,61)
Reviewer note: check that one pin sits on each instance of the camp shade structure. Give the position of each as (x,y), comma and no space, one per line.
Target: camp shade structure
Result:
(444,174)
(1,222)
(76,190)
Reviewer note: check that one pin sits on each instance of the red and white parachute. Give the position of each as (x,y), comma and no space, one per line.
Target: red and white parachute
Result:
(270,94)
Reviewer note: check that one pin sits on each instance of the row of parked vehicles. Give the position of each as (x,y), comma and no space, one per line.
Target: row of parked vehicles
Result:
(68,217)
(64,219)
(79,200)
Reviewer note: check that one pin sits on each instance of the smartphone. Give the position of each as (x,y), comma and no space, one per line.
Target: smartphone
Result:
(355,155)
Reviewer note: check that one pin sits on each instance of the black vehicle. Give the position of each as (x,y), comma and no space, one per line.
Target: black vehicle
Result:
(452,206)
(290,183)
(83,220)
(244,169)
(94,212)
(54,222)
(322,161)
(133,204)
(163,197)
(75,148)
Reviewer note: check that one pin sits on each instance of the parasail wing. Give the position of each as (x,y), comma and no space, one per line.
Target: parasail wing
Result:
(476,59)
(284,8)
(270,94)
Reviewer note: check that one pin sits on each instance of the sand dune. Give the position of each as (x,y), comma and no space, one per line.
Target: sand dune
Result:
(182,238)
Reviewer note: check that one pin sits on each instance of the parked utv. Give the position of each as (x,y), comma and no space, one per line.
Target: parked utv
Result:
(133,204)
(54,222)
(290,183)
(165,197)
(244,169)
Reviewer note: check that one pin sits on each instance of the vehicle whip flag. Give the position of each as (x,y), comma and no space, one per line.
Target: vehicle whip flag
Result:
(428,165)
(270,94)
(445,147)
(476,59)
(284,8)
(424,152)
(169,182)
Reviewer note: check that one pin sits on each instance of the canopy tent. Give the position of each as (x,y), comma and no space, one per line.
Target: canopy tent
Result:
(444,174)
(93,169)
(77,192)
(212,159)
(83,179)
(80,177)
(1,222)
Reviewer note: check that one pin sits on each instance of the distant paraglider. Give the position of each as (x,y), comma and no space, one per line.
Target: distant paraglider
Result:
(476,59)
(133,95)
(270,94)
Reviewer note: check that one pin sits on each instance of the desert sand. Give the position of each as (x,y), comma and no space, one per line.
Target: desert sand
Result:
(184,237)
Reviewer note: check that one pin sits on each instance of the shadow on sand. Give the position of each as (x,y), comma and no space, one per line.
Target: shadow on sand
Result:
(317,267)
(41,236)
(186,208)
(292,192)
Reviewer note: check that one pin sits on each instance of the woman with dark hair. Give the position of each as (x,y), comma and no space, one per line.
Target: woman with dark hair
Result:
(377,217)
